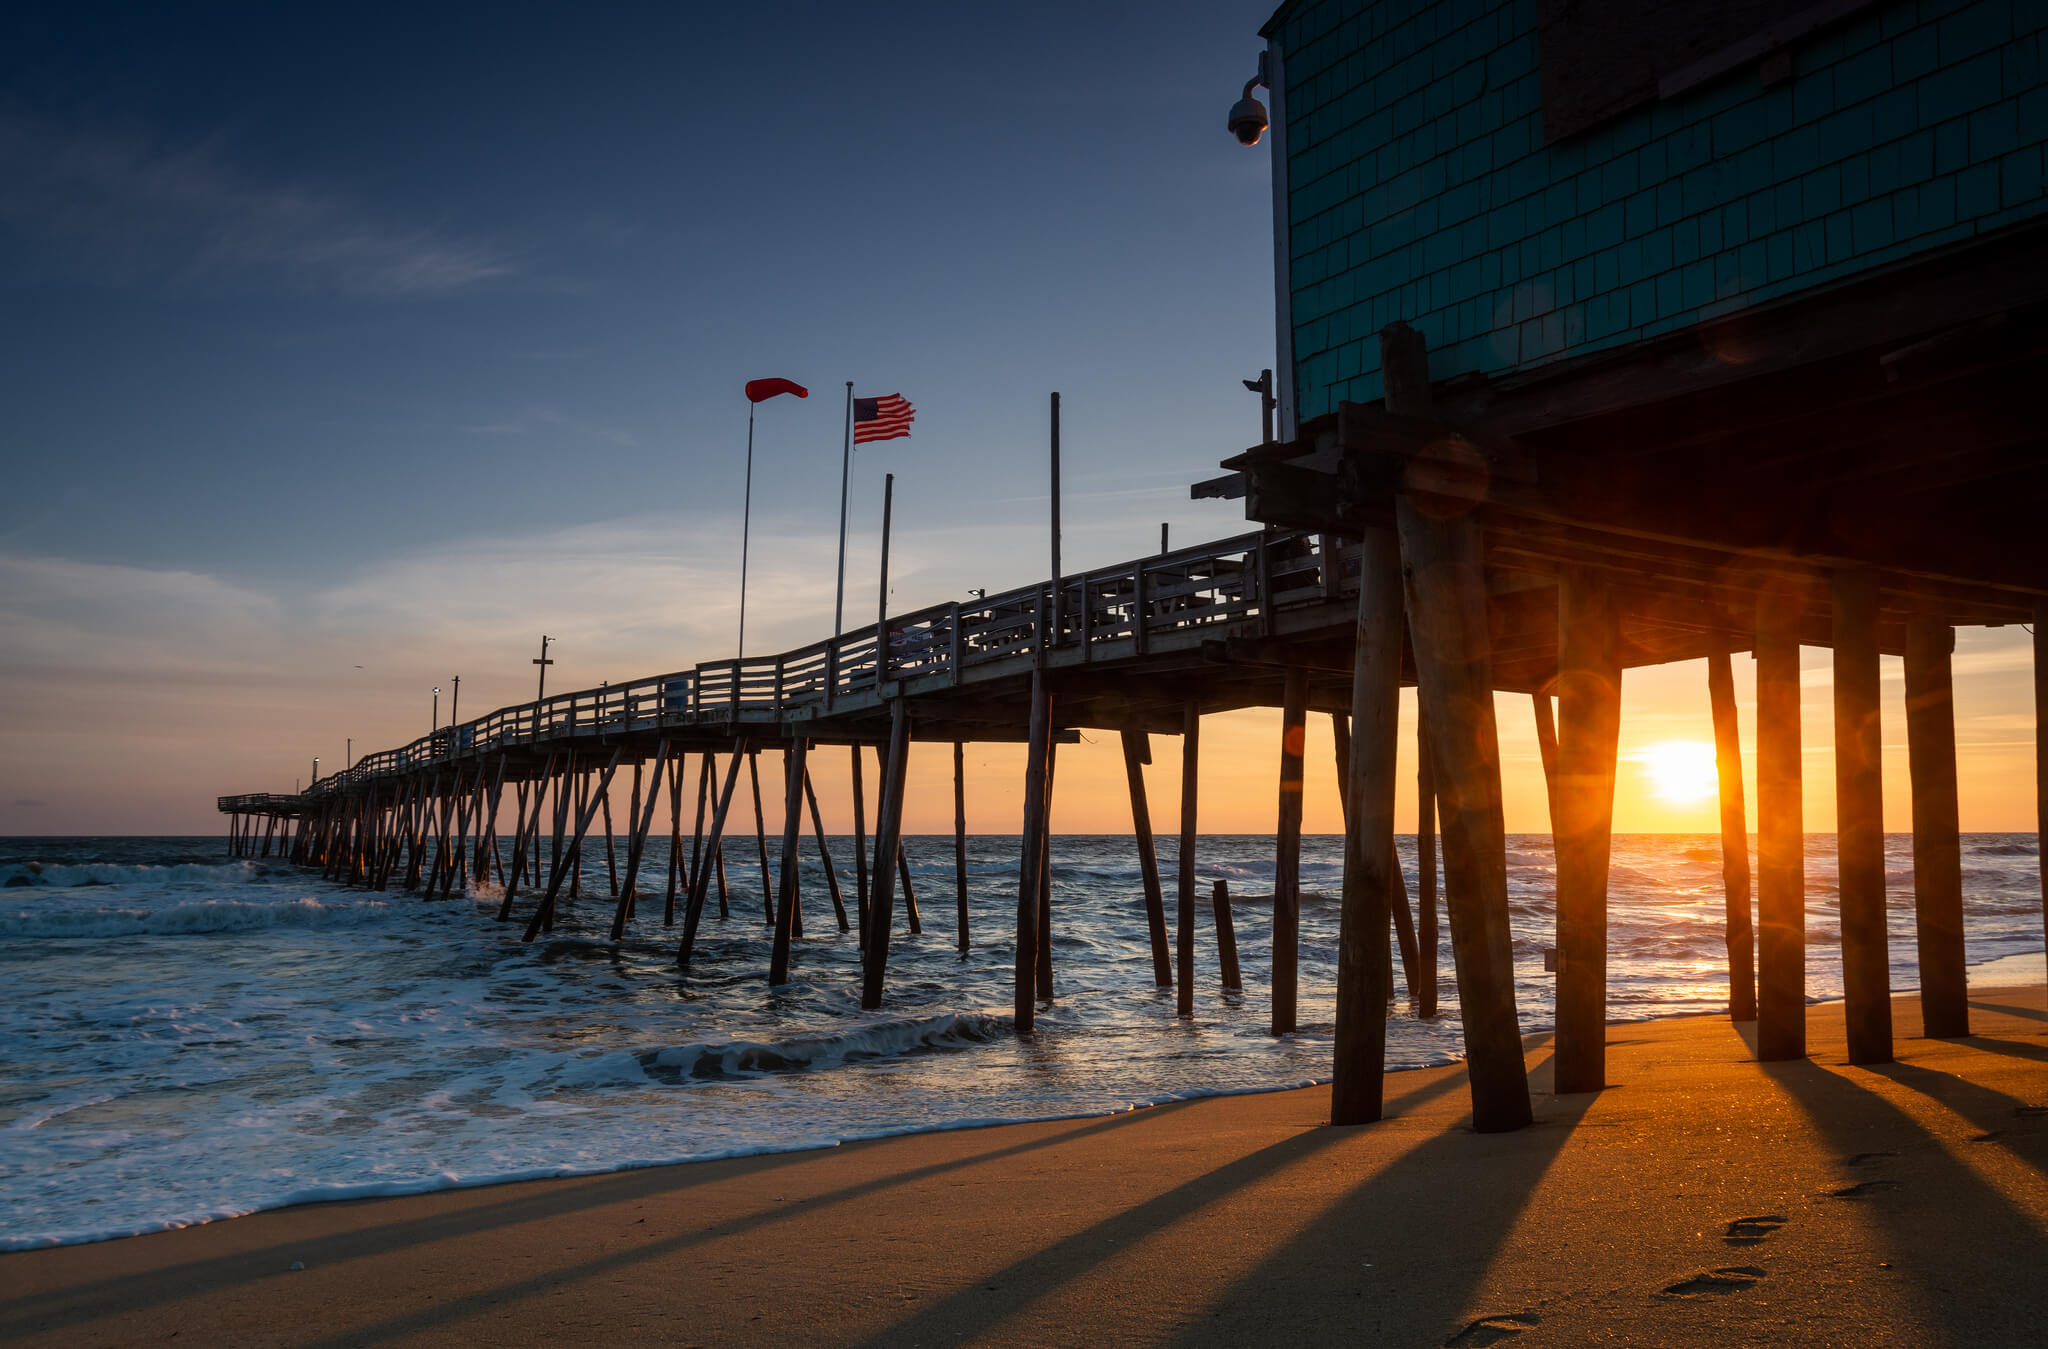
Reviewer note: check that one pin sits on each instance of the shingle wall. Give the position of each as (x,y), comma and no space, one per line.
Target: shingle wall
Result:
(1421,188)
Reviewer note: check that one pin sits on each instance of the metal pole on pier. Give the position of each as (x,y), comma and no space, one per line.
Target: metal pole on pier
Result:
(455,703)
(746,524)
(540,694)
(437,709)
(1054,636)
(882,602)
(845,479)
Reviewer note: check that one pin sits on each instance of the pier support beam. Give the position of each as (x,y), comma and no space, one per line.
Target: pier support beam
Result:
(700,884)
(1190,765)
(1424,983)
(1287,856)
(888,843)
(544,912)
(860,850)
(1859,824)
(1780,832)
(1582,819)
(1365,975)
(1138,753)
(1052,772)
(825,852)
(1031,863)
(959,842)
(1734,837)
(1444,567)
(792,842)
(761,838)
(1937,836)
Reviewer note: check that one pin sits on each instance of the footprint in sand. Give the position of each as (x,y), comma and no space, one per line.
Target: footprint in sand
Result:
(1716,1282)
(1862,1189)
(1750,1231)
(1868,1158)
(1492,1330)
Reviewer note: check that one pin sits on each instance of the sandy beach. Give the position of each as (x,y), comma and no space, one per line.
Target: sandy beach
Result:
(1702,1199)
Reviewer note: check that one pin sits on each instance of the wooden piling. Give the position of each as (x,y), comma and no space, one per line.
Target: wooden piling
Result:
(1372,869)
(700,884)
(888,842)
(638,823)
(1138,753)
(544,911)
(1546,750)
(1859,822)
(1937,837)
(1052,760)
(1780,837)
(1287,852)
(960,842)
(611,859)
(761,838)
(825,852)
(1397,894)
(792,840)
(1032,861)
(1190,763)
(1734,837)
(1582,819)
(1443,562)
(675,839)
(860,849)
(1426,939)
(1226,938)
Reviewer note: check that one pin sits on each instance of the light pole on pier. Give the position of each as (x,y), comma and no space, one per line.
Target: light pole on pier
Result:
(455,703)
(437,709)
(540,694)
(348,754)
(316,771)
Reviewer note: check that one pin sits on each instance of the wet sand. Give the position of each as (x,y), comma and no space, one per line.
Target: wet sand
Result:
(1703,1199)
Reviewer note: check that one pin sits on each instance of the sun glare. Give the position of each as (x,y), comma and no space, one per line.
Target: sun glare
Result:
(1681,772)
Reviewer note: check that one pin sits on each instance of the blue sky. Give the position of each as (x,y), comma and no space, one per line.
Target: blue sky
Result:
(346,347)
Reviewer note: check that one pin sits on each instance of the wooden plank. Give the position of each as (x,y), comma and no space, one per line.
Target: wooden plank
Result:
(1859,818)
(1287,854)
(888,842)
(1447,615)
(1582,813)
(1137,752)
(792,839)
(1734,839)
(1780,837)
(1365,975)
(1937,829)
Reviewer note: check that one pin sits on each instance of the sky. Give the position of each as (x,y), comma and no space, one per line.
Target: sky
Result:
(345,349)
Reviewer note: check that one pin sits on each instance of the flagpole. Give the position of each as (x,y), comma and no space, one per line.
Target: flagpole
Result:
(746,525)
(845,476)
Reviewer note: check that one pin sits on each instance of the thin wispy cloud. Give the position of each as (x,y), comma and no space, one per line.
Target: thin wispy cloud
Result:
(128,209)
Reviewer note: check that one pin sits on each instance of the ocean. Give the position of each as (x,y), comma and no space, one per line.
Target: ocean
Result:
(189,1037)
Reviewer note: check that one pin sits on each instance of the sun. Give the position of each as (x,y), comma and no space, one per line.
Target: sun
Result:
(1681,772)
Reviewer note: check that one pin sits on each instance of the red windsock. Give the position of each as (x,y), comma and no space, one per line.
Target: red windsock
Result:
(761,390)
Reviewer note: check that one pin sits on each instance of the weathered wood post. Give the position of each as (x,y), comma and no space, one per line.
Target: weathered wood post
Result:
(960,841)
(544,912)
(1546,749)
(1734,836)
(1052,760)
(761,838)
(916,919)
(1937,829)
(1031,863)
(1287,851)
(860,850)
(1226,938)
(1780,836)
(1444,569)
(700,884)
(1184,937)
(825,852)
(1426,941)
(1365,975)
(1397,896)
(1582,819)
(792,841)
(639,822)
(675,838)
(888,842)
(1859,824)
(1138,753)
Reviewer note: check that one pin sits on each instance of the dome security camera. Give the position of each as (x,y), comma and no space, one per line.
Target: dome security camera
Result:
(1248,119)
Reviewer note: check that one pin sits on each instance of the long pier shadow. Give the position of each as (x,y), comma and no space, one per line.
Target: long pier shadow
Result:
(82,1303)
(1955,1235)
(1012,1291)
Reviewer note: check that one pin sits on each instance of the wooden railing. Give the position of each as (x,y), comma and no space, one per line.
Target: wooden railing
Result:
(1105,614)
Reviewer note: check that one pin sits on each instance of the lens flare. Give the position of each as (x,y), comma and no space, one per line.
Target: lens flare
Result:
(1681,772)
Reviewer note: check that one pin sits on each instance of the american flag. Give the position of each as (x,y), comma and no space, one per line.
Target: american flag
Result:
(884,418)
